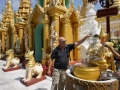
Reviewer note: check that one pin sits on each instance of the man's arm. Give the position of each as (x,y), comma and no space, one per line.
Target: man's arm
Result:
(49,66)
(82,40)
(113,51)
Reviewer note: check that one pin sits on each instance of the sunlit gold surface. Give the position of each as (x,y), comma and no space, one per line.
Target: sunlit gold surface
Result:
(87,71)
(102,64)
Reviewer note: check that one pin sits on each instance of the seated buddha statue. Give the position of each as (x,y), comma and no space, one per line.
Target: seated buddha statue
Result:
(96,53)
(100,55)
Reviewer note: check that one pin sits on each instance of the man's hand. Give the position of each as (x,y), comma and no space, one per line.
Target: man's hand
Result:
(48,72)
(89,35)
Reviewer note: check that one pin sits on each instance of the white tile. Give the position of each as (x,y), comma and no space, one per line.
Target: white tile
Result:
(5,85)
(10,88)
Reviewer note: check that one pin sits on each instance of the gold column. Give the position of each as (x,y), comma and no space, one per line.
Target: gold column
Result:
(55,17)
(3,42)
(76,38)
(65,27)
(30,37)
(20,35)
(33,39)
(46,35)
(45,2)
(63,3)
(14,38)
(46,40)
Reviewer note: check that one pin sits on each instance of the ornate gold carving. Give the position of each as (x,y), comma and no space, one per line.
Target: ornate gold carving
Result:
(70,11)
(39,9)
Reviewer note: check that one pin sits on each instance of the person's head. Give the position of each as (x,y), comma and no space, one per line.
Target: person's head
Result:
(95,38)
(62,42)
(103,37)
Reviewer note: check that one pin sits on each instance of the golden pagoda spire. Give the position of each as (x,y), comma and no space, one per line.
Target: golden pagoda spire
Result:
(9,6)
(24,9)
(8,14)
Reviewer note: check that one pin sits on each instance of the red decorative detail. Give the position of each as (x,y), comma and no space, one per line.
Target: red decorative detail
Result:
(11,69)
(33,81)
(74,62)
(45,68)
(24,63)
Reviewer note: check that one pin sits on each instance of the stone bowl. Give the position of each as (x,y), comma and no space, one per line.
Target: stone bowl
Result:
(87,71)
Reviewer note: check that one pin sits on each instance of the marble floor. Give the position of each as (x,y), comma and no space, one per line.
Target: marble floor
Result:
(11,80)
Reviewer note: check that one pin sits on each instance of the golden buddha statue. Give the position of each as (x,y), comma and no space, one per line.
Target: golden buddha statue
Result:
(108,54)
(100,55)
(96,53)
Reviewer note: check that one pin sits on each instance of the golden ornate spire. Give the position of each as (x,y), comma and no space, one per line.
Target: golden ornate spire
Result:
(9,6)
(103,34)
(24,9)
(8,14)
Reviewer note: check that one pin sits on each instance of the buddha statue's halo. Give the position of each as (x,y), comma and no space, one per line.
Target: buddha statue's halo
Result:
(91,11)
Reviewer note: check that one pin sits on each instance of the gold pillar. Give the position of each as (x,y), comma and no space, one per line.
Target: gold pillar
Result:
(46,35)
(3,42)
(55,17)
(63,3)
(20,35)
(76,38)
(45,2)
(14,38)
(31,37)
(46,40)
(65,27)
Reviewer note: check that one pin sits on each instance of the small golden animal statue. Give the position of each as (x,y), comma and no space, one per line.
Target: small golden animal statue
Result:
(11,60)
(32,67)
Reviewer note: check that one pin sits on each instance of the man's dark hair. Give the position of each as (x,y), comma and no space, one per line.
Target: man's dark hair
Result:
(96,36)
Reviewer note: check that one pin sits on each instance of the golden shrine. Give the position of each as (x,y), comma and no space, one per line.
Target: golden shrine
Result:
(32,28)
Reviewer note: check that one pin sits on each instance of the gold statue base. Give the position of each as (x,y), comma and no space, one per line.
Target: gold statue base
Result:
(33,81)
(11,69)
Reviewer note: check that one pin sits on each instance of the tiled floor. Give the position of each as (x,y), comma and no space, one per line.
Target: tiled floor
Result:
(11,80)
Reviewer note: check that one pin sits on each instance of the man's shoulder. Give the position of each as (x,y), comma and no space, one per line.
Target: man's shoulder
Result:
(67,45)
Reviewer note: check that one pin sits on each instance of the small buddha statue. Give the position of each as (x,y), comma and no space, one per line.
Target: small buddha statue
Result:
(108,54)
